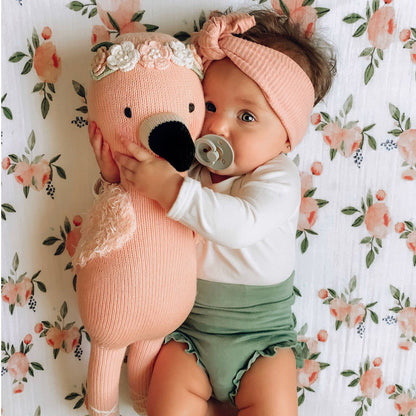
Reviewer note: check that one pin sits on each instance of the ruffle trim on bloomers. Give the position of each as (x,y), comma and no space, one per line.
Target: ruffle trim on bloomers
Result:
(267,352)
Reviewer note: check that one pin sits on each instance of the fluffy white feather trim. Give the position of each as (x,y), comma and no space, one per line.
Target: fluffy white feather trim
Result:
(110,223)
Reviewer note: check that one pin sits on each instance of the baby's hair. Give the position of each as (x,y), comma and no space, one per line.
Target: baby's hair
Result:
(314,55)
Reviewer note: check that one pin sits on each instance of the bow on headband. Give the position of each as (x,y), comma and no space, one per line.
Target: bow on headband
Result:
(285,85)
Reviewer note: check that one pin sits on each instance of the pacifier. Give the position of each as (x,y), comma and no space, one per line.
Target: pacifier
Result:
(214,152)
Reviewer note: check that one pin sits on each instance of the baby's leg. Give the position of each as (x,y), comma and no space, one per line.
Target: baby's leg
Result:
(269,387)
(179,387)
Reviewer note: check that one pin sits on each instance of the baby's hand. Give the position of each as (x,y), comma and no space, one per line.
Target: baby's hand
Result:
(108,167)
(151,176)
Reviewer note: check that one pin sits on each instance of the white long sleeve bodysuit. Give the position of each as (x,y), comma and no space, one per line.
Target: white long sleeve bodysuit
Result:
(247,223)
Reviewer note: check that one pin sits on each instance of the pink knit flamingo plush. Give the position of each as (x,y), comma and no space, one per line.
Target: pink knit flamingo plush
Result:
(136,268)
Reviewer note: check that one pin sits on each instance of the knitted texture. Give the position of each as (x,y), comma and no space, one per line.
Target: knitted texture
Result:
(108,226)
(138,279)
(285,85)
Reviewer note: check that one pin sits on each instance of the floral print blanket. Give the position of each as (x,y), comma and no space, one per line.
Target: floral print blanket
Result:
(356,273)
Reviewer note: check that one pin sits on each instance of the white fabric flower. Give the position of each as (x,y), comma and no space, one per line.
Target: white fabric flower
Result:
(123,57)
(182,55)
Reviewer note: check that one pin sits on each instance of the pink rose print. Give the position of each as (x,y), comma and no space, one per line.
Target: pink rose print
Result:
(99,35)
(380,26)
(343,136)
(323,293)
(411,242)
(311,343)
(68,240)
(404,403)
(9,293)
(322,335)
(408,37)
(339,309)
(409,174)
(307,375)
(34,172)
(406,143)
(61,336)
(117,16)
(28,339)
(370,381)
(119,10)
(18,365)
(357,314)
(70,339)
(17,362)
(413,53)
(308,211)
(377,221)
(405,345)
(46,32)
(404,35)
(24,291)
(316,168)
(38,328)
(300,12)
(18,388)
(406,318)
(309,352)
(377,361)
(381,194)
(72,240)
(407,146)
(47,65)
(315,118)
(346,308)
(399,227)
(18,289)
(5,163)
(404,399)
(35,176)
(407,231)
(54,338)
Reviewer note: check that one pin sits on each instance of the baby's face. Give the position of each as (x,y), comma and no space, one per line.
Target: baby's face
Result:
(237,110)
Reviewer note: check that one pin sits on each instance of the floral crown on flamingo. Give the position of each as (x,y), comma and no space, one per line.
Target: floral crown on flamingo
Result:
(110,57)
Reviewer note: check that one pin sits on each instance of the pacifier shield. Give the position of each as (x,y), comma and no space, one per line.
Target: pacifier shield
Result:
(214,152)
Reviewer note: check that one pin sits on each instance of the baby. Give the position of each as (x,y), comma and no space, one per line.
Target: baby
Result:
(262,80)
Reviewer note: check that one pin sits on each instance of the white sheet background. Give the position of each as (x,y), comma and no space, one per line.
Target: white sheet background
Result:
(36,239)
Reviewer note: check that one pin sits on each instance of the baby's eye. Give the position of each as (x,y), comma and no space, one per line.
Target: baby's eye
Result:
(127,112)
(210,107)
(247,117)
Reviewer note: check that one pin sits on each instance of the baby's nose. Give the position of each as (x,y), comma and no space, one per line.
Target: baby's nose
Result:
(217,125)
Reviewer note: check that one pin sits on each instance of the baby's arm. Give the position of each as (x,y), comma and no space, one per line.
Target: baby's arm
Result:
(271,197)
(108,167)
(241,219)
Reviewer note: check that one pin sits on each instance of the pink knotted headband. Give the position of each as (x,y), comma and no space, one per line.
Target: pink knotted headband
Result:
(285,85)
